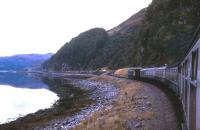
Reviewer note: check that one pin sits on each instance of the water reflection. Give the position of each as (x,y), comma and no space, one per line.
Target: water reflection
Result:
(17,102)
(21,94)
(21,80)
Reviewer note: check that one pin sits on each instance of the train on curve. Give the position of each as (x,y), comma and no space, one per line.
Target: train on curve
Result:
(184,80)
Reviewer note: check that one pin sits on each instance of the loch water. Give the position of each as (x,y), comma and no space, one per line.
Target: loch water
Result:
(21,94)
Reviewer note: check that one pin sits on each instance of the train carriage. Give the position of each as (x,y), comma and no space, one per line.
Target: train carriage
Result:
(184,80)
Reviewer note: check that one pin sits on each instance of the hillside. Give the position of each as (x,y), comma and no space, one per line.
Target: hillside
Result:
(167,31)
(157,35)
(80,52)
(94,48)
(23,61)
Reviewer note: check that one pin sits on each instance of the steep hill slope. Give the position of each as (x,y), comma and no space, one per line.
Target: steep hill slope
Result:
(80,52)
(167,31)
(95,48)
(20,62)
(157,35)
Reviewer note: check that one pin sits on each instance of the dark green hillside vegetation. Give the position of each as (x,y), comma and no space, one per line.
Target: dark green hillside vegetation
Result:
(80,52)
(167,31)
(157,35)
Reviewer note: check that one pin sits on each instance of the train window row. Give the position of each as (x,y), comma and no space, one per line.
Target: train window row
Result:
(188,75)
(185,68)
(183,80)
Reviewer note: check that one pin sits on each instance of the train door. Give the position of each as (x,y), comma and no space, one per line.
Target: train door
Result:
(185,88)
(193,91)
(192,111)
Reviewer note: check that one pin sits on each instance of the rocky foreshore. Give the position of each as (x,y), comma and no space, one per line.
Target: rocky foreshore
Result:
(101,92)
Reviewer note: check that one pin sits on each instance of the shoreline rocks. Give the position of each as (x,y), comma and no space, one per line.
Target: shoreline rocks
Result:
(101,92)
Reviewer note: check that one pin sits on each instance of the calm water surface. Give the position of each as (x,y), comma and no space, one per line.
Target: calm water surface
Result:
(21,94)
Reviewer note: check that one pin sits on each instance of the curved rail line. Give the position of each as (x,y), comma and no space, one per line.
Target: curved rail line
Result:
(183,80)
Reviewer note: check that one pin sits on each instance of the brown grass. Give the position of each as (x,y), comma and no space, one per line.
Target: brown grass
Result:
(122,72)
(122,111)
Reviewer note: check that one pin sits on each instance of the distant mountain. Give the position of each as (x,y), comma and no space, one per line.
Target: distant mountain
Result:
(22,61)
(157,35)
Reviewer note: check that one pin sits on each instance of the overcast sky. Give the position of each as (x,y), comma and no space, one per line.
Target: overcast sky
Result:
(42,26)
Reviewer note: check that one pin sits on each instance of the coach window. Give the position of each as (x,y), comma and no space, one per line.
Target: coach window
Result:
(186,68)
(182,69)
(194,64)
(179,69)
